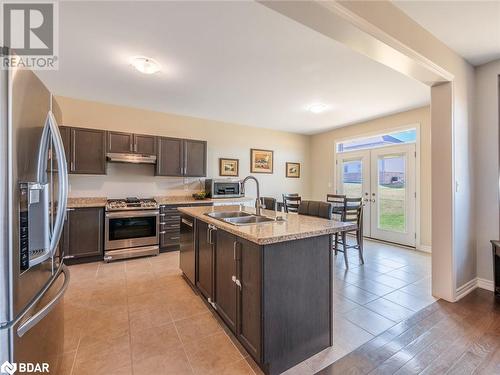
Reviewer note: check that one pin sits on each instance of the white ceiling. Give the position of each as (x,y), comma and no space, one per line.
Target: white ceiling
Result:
(237,62)
(470,28)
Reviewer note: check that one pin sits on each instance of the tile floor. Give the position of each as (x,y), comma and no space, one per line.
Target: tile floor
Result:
(140,317)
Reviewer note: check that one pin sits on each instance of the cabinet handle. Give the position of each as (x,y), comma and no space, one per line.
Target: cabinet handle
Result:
(235,243)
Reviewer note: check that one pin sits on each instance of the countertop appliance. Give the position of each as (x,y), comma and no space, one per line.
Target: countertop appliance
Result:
(33,201)
(187,255)
(223,188)
(131,228)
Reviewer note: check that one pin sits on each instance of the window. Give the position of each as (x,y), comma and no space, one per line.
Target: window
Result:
(406,136)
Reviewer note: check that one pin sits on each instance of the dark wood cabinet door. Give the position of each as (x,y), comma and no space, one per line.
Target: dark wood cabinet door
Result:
(249,269)
(170,157)
(85,233)
(88,151)
(120,142)
(66,138)
(205,277)
(145,144)
(225,288)
(195,158)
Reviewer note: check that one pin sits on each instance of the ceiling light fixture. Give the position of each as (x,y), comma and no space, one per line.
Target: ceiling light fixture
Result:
(145,65)
(318,108)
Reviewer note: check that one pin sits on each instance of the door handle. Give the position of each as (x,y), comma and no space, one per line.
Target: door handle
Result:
(36,318)
(51,129)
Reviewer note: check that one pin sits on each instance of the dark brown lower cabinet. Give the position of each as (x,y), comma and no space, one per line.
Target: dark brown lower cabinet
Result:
(83,234)
(206,260)
(238,288)
(249,275)
(276,298)
(226,290)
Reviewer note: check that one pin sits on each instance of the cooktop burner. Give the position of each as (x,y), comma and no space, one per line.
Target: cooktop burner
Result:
(131,203)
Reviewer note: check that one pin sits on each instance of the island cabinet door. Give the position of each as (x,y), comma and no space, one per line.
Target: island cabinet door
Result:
(226,289)
(205,278)
(249,277)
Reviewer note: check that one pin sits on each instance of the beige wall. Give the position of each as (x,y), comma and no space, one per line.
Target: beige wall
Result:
(486,165)
(323,149)
(224,140)
(453,234)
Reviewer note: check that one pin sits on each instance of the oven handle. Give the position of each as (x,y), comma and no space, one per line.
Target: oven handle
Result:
(131,213)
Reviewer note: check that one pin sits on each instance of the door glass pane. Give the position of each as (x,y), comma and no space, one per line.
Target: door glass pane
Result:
(391,193)
(352,172)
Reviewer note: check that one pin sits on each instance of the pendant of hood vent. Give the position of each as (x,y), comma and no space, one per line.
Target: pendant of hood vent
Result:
(145,65)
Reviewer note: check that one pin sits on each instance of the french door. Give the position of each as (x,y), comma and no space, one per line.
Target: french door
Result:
(385,178)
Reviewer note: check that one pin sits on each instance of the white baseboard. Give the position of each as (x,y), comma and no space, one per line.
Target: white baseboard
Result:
(473,284)
(485,284)
(465,289)
(424,248)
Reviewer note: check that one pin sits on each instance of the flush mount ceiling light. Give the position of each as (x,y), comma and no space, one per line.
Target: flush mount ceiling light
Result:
(318,108)
(145,65)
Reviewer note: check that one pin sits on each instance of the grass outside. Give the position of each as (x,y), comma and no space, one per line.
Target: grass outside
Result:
(391,205)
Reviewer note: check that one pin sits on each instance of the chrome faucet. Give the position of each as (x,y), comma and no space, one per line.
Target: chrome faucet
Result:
(257,204)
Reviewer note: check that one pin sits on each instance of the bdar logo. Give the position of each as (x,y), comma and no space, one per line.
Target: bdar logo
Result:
(8,368)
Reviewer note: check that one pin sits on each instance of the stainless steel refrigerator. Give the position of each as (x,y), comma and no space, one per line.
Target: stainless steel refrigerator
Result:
(33,198)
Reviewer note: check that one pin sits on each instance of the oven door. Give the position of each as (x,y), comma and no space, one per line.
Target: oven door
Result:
(126,229)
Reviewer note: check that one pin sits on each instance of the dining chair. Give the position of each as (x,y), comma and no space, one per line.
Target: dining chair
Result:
(291,202)
(352,213)
(316,208)
(338,204)
(268,203)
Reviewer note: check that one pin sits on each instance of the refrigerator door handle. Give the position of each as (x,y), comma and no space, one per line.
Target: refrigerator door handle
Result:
(36,318)
(51,129)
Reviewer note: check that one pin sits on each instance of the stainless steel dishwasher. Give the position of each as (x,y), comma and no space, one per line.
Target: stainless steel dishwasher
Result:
(187,248)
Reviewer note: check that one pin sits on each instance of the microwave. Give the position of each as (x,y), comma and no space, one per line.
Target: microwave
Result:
(223,188)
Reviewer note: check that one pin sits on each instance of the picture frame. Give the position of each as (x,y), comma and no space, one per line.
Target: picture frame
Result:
(229,167)
(261,161)
(292,170)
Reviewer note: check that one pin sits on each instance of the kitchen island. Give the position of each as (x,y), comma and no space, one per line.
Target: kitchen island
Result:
(271,283)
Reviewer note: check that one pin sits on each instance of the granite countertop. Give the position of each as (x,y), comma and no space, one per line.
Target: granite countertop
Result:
(191,200)
(87,202)
(295,227)
(82,202)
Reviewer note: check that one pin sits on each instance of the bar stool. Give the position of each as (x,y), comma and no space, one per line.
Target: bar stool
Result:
(291,202)
(268,203)
(352,213)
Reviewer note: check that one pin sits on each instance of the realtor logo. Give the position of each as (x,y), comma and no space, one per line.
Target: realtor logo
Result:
(8,368)
(29,32)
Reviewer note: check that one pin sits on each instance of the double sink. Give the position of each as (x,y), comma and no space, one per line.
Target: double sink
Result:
(239,217)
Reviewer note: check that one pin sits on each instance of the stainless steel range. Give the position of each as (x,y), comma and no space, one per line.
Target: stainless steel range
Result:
(131,228)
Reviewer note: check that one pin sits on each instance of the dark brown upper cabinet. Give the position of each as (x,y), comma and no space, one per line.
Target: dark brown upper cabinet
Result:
(119,142)
(129,143)
(181,157)
(85,150)
(195,158)
(145,144)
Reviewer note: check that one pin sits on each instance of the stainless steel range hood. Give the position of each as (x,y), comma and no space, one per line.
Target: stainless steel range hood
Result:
(131,158)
